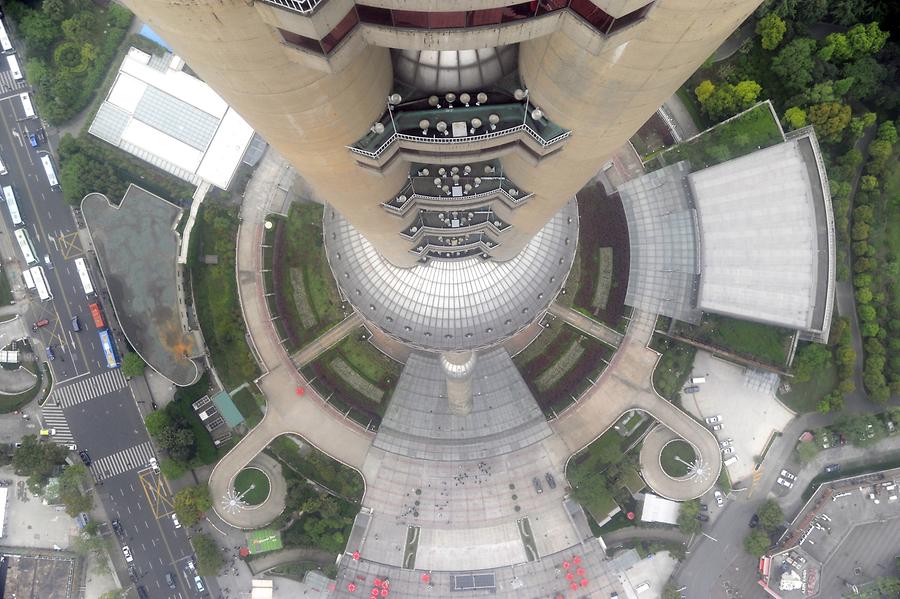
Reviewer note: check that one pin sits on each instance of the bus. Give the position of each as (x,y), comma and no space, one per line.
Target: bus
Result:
(12,206)
(97,316)
(109,350)
(26,246)
(27,106)
(48,169)
(13,63)
(40,281)
(83,275)
(29,280)
(5,44)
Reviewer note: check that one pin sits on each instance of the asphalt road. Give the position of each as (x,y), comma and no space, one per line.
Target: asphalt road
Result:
(98,404)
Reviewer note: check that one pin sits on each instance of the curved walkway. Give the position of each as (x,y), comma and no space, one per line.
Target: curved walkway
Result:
(627,385)
(651,467)
(255,516)
(291,405)
(291,556)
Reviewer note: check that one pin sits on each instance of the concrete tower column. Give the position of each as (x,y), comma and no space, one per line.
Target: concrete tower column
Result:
(458,368)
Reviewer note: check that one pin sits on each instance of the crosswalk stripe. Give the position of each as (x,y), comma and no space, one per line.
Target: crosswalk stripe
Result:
(7,82)
(89,388)
(130,458)
(52,417)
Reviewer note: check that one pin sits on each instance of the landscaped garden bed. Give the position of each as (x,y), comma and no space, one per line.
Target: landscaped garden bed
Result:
(752,340)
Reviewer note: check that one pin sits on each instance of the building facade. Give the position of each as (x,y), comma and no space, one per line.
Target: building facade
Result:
(444,135)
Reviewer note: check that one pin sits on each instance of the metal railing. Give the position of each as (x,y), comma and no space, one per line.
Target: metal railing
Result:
(457,200)
(300,6)
(459,140)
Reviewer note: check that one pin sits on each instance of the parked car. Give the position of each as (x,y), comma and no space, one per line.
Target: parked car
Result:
(754,521)
(720,499)
(726,443)
(704,507)
(714,419)
(831,468)
(50,355)
(727,450)
(537,484)
(785,483)
(788,475)
(551,482)
(85,457)
(716,427)
(127,553)
(692,389)
(39,323)
(702,517)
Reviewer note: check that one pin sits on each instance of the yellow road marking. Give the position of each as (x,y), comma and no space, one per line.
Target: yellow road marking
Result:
(69,245)
(158,494)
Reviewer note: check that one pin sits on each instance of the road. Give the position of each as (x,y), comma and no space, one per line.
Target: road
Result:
(92,405)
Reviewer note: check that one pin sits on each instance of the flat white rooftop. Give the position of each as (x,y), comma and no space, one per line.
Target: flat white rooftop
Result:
(171,119)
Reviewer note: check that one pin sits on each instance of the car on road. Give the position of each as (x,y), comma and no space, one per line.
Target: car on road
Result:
(702,517)
(85,458)
(175,520)
(127,553)
(142,593)
(76,324)
(116,526)
(551,482)
(714,419)
(720,499)
(198,582)
(47,432)
(726,443)
(48,261)
(32,139)
(39,323)
(154,465)
(50,355)
(784,482)
(787,475)
(716,427)
(831,468)
(754,521)
(170,580)
(537,484)
(692,389)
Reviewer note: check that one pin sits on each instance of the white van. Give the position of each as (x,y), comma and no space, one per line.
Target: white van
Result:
(730,460)
(644,586)
(696,380)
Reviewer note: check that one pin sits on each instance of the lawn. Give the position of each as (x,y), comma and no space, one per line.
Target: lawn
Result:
(306,296)
(674,366)
(181,407)
(248,401)
(354,375)
(748,339)
(755,128)
(216,296)
(669,458)
(561,367)
(257,479)
(805,396)
(6,296)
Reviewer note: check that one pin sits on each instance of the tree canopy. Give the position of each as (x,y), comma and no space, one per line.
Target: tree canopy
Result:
(191,503)
(771,30)
(209,556)
(756,543)
(770,515)
(37,460)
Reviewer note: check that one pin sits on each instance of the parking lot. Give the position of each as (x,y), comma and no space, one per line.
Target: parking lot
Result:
(745,400)
(30,523)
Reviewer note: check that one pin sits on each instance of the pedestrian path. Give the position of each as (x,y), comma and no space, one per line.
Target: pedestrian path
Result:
(131,458)
(89,388)
(52,417)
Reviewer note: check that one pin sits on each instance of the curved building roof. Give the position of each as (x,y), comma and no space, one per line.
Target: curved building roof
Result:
(454,70)
(453,305)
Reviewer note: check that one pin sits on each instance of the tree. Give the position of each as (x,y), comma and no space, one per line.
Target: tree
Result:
(806,451)
(756,543)
(209,556)
(746,92)
(771,30)
(887,132)
(868,183)
(38,29)
(770,515)
(133,365)
(795,117)
(56,10)
(687,517)
(70,494)
(704,90)
(794,64)
(887,586)
(830,119)
(191,503)
(866,39)
(37,461)
(837,47)
(867,75)
(172,469)
(810,359)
